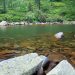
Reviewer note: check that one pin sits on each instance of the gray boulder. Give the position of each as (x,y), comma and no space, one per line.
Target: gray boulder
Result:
(22,65)
(63,68)
(45,60)
(3,23)
(59,35)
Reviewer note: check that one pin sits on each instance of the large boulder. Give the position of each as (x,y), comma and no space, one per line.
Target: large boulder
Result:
(45,60)
(59,35)
(63,68)
(22,65)
(3,23)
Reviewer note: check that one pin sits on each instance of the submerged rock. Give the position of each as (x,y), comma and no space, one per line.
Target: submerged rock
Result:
(22,65)
(3,23)
(59,35)
(63,68)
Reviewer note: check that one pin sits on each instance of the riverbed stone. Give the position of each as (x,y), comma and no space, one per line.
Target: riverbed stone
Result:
(22,65)
(16,23)
(45,59)
(59,35)
(63,68)
(3,23)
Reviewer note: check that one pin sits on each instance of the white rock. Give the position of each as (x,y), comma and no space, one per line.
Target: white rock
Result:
(26,23)
(45,59)
(22,23)
(3,23)
(12,23)
(16,23)
(59,35)
(22,65)
(63,68)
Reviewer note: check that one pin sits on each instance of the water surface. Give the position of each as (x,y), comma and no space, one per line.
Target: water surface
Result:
(20,40)
(23,32)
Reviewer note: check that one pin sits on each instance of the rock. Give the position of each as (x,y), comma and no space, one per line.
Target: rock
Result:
(51,65)
(22,65)
(3,23)
(26,23)
(22,23)
(40,71)
(12,23)
(59,35)
(45,63)
(16,23)
(63,68)
(1,60)
(45,59)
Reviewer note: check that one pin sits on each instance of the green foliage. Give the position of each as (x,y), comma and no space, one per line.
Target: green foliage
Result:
(69,9)
(30,16)
(3,7)
(54,18)
(38,3)
(37,10)
(40,16)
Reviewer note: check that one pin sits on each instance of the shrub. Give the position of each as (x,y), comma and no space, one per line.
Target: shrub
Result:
(30,16)
(40,16)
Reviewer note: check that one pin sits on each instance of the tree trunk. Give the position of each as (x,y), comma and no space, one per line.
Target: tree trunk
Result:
(4,6)
(38,3)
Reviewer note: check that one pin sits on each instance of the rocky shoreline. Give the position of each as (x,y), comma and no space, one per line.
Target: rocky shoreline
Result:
(5,23)
(34,64)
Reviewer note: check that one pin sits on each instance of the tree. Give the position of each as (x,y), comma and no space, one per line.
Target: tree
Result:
(70,8)
(38,3)
(4,6)
(70,5)
(10,4)
(55,0)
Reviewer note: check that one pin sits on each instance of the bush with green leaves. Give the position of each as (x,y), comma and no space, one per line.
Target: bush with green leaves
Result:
(37,10)
(30,16)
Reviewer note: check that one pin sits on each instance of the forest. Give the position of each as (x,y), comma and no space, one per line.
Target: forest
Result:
(37,10)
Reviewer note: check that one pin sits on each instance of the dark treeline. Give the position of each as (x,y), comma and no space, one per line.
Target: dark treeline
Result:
(37,10)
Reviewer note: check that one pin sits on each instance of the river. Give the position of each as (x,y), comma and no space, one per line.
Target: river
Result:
(20,40)
(23,32)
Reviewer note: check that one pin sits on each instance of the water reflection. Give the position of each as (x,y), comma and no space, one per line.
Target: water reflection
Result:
(3,28)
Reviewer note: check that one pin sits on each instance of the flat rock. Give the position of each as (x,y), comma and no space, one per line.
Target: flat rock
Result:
(63,68)
(22,65)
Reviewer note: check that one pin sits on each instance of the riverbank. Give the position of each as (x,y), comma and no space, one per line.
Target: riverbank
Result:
(5,23)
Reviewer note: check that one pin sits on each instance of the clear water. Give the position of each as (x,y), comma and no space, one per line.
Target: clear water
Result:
(23,32)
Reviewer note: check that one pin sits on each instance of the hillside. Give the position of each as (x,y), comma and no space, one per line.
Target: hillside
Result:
(37,10)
